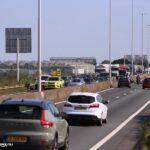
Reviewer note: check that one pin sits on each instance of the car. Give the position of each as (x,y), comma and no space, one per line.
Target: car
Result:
(76,82)
(88,80)
(146,83)
(43,80)
(32,124)
(54,82)
(124,81)
(86,106)
(67,80)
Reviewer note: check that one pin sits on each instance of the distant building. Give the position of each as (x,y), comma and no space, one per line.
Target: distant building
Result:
(81,65)
(89,60)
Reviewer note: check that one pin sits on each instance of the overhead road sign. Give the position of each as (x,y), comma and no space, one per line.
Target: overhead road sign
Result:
(21,34)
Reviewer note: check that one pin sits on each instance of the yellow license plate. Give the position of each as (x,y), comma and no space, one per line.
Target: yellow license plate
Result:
(20,139)
(80,108)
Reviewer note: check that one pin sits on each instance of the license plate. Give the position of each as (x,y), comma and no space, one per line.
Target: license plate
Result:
(20,139)
(80,108)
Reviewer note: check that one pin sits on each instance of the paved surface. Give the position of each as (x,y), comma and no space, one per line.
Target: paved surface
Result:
(130,136)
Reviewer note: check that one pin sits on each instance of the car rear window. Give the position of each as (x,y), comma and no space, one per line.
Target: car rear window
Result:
(147,80)
(20,112)
(123,79)
(81,99)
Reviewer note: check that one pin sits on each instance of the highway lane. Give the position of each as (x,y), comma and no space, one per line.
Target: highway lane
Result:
(123,103)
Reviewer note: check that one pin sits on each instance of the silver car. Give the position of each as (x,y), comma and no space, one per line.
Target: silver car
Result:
(76,82)
(32,124)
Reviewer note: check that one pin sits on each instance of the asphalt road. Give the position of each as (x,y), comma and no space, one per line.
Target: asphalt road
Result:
(123,103)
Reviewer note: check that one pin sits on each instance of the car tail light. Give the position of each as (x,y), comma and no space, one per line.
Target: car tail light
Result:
(67,105)
(45,123)
(94,106)
(39,142)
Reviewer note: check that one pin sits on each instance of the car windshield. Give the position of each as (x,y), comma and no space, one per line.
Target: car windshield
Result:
(44,77)
(53,79)
(123,79)
(81,99)
(19,112)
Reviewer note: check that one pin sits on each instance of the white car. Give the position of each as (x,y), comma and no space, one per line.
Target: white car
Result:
(86,106)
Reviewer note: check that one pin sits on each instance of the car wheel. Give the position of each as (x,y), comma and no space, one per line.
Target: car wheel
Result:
(55,144)
(105,120)
(143,87)
(100,121)
(118,86)
(66,144)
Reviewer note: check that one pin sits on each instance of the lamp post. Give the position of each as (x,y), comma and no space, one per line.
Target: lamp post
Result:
(132,38)
(142,40)
(148,52)
(39,44)
(110,77)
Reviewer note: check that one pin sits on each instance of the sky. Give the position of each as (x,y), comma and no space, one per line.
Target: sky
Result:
(77,28)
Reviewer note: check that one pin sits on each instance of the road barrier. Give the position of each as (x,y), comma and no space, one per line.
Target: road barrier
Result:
(58,95)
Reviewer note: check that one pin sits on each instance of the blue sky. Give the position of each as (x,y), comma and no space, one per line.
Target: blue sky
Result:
(77,28)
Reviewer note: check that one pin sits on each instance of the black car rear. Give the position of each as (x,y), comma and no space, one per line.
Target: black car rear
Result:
(124,81)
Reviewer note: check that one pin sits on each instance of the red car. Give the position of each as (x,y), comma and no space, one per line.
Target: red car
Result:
(146,83)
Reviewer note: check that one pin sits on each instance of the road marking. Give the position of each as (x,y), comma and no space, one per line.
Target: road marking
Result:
(106,90)
(125,94)
(123,124)
(117,97)
(59,102)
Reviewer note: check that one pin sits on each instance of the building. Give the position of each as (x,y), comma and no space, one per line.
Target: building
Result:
(81,65)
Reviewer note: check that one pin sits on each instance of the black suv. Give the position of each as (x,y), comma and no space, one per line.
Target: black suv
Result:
(124,81)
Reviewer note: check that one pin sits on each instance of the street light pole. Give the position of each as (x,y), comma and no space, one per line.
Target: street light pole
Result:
(39,44)
(132,39)
(142,41)
(110,77)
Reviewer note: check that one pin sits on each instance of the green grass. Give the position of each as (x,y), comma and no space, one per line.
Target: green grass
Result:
(145,143)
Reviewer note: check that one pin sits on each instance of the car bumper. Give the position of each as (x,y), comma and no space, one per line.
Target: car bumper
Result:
(76,118)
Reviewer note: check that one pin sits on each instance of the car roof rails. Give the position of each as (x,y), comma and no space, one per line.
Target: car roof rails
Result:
(7,99)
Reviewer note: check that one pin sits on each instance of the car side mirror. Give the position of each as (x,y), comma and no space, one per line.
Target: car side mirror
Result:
(106,101)
(63,115)
(57,114)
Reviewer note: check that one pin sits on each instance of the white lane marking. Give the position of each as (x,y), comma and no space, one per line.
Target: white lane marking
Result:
(110,135)
(117,97)
(125,94)
(59,102)
(106,90)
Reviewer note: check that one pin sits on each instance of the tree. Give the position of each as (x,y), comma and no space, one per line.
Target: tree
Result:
(105,62)
(120,61)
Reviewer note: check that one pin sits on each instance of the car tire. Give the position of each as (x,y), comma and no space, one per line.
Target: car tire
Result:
(100,121)
(105,120)
(143,87)
(66,143)
(55,144)
(118,86)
